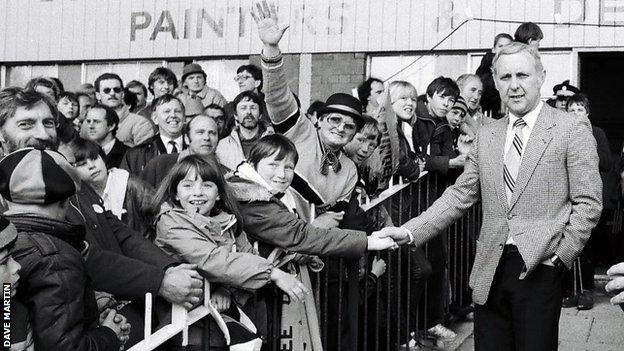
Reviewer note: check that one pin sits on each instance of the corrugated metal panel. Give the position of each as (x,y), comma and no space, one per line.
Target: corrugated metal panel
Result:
(51,30)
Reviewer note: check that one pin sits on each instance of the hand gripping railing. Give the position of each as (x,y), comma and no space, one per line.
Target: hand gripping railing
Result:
(181,319)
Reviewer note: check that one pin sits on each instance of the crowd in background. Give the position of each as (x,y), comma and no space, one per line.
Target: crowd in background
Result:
(123,188)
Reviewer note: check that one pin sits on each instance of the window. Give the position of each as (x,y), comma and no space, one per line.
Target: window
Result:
(558,67)
(20,75)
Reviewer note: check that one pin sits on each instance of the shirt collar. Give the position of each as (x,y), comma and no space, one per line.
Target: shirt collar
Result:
(178,141)
(108,146)
(530,118)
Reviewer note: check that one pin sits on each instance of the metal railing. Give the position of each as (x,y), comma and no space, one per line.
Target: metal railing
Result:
(396,311)
(181,319)
(355,315)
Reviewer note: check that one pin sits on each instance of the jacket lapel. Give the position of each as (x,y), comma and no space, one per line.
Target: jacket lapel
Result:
(536,145)
(496,149)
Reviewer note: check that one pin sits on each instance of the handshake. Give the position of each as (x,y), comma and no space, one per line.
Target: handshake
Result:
(388,238)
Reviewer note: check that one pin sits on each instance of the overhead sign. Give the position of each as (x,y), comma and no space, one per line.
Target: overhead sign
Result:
(79,30)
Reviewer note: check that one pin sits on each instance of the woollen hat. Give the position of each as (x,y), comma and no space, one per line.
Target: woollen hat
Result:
(460,104)
(192,107)
(36,176)
(8,233)
(344,104)
(190,69)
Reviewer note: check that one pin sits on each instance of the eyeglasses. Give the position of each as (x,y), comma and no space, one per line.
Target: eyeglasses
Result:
(336,121)
(242,77)
(117,90)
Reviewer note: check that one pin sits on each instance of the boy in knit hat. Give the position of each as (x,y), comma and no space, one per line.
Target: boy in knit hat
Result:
(54,286)
(445,136)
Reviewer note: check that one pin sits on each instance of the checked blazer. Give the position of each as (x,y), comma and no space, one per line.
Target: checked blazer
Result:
(556,202)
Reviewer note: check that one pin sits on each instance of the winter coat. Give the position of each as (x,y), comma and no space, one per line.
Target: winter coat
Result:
(268,221)
(210,243)
(115,156)
(424,128)
(490,100)
(230,151)
(54,286)
(133,129)
(121,261)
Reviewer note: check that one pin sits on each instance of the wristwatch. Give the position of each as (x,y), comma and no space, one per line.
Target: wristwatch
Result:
(556,261)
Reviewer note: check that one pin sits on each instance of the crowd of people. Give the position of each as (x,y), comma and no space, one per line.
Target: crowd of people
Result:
(108,195)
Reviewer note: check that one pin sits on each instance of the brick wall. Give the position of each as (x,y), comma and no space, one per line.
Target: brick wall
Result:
(291,64)
(336,73)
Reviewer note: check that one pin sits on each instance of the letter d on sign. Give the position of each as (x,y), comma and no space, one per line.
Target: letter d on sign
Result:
(147,19)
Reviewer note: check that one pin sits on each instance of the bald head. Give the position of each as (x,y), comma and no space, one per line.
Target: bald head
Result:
(202,132)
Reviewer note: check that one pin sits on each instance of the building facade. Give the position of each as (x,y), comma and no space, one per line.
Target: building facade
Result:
(331,45)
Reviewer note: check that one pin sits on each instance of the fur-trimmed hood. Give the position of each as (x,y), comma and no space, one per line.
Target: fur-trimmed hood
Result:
(245,188)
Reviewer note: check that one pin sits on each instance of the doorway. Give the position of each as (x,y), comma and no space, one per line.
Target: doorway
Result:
(601,76)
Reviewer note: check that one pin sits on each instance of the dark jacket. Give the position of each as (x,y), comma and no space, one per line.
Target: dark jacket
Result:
(157,168)
(55,288)
(424,127)
(607,169)
(408,160)
(442,147)
(140,212)
(121,261)
(137,158)
(268,221)
(490,100)
(114,157)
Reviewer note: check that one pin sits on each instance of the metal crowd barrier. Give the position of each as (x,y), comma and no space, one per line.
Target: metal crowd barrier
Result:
(181,319)
(354,315)
(393,315)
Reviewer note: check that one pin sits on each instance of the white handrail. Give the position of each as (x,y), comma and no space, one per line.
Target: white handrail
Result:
(181,319)
(367,203)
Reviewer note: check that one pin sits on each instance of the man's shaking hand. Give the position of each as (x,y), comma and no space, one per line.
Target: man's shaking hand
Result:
(400,235)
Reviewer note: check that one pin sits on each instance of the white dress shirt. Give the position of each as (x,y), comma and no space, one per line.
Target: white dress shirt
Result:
(530,119)
(108,146)
(177,141)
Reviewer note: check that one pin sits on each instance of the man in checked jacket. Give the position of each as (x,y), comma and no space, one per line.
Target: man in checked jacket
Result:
(536,174)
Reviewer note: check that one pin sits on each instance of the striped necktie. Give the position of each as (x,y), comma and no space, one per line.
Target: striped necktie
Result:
(513,158)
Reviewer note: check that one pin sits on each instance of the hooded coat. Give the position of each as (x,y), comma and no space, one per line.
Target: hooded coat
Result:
(269,221)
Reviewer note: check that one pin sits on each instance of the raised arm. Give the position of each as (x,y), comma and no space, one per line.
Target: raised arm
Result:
(279,99)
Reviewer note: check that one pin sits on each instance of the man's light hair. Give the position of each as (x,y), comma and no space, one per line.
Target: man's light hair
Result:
(465,78)
(515,48)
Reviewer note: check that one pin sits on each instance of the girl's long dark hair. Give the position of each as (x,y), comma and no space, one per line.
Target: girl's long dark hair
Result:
(208,168)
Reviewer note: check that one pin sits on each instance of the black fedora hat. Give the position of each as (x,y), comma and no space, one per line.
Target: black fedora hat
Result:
(344,104)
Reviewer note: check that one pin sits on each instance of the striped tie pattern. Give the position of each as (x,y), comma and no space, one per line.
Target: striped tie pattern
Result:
(513,158)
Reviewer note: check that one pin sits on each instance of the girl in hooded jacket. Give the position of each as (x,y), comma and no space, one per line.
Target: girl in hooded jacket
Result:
(200,223)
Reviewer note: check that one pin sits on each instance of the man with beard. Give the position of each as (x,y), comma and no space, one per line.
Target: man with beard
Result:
(120,261)
(102,122)
(168,116)
(234,149)
(133,129)
(202,134)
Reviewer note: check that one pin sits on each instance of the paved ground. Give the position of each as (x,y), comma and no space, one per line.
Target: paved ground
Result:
(599,329)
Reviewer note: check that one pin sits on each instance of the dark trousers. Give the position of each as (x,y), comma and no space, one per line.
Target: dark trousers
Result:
(437,284)
(520,315)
